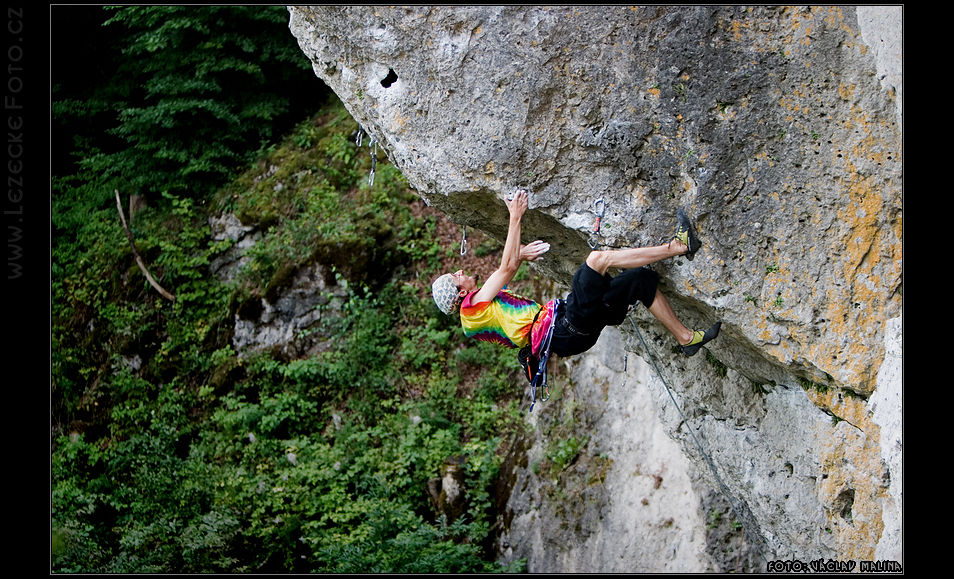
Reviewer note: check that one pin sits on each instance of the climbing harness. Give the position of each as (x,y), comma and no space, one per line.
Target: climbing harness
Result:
(599,209)
(722,486)
(540,380)
(463,242)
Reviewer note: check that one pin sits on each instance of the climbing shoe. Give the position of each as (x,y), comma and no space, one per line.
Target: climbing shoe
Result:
(699,338)
(686,233)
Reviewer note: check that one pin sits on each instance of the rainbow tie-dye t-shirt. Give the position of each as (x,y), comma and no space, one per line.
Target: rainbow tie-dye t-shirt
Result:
(507,319)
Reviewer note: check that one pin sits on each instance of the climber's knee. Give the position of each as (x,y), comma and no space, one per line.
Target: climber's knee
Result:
(598,261)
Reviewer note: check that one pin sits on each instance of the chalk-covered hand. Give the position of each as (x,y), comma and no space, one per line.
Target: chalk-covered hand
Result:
(518,205)
(533,251)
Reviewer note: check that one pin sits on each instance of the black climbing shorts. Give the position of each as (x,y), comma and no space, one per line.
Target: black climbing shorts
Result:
(596,301)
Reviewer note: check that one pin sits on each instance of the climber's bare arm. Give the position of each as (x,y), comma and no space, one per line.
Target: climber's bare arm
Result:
(513,253)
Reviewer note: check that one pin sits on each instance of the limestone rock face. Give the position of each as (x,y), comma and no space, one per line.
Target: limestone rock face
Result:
(778,129)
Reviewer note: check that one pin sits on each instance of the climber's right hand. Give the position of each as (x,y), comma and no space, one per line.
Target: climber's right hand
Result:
(518,205)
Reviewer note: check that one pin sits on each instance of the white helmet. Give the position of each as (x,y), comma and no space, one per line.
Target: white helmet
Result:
(445,292)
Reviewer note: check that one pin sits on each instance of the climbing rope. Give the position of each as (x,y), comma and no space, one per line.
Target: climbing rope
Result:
(722,486)
(600,208)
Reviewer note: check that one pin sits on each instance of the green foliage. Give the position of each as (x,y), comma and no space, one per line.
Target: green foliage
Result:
(426,549)
(718,366)
(173,453)
(563,452)
(760,389)
(715,517)
(810,385)
(192,90)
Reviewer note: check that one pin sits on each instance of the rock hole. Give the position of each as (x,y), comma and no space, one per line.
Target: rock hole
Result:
(387,81)
(843,503)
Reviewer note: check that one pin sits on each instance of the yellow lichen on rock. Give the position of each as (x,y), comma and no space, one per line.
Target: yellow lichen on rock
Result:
(852,487)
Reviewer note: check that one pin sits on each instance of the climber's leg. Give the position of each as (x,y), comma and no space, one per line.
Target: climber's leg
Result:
(661,309)
(601,261)
(689,341)
(684,242)
(635,277)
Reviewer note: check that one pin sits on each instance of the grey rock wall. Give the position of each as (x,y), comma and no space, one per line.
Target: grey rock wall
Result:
(288,324)
(630,502)
(777,128)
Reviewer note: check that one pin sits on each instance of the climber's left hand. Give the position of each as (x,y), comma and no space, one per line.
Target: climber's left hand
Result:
(533,251)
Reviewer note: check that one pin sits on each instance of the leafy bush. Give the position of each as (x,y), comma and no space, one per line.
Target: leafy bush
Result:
(187,92)
(173,453)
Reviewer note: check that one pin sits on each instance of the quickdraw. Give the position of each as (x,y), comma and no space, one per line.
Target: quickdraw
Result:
(373,145)
(599,209)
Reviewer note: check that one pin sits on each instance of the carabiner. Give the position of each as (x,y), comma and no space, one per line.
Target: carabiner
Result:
(373,145)
(599,210)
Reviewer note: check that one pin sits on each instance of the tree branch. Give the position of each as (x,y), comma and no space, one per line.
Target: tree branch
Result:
(139,262)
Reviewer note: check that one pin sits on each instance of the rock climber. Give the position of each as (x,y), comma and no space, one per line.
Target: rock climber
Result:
(596,300)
